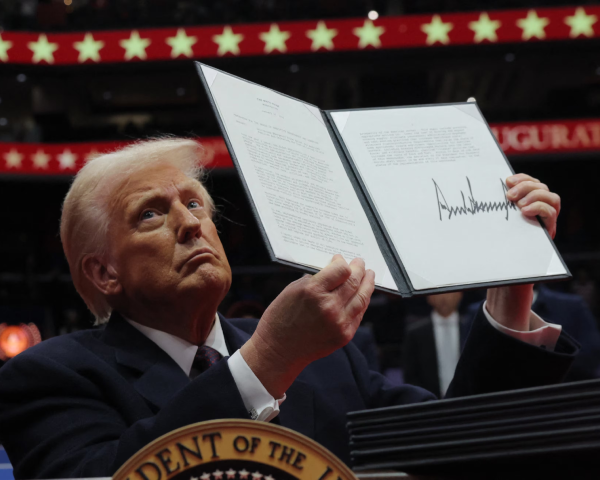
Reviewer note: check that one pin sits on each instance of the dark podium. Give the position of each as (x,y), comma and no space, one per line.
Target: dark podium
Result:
(543,432)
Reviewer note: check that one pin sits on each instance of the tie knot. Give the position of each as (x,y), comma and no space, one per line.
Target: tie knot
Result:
(205,358)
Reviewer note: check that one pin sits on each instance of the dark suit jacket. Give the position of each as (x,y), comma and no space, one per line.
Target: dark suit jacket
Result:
(420,353)
(80,405)
(576,318)
(365,342)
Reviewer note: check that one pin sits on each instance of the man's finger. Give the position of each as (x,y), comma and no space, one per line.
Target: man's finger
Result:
(544,196)
(349,288)
(517,192)
(518,178)
(333,275)
(541,209)
(357,306)
(546,212)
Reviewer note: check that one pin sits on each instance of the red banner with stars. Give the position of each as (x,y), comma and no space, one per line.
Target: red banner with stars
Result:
(558,136)
(502,26)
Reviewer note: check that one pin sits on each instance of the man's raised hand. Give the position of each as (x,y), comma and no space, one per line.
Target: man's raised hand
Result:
(310,319)
(511,305)
(534,199)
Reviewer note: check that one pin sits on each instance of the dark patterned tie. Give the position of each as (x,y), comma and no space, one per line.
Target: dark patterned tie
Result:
(205,358)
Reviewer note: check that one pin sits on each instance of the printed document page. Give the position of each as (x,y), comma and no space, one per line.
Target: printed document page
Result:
(304,198)
(437,179)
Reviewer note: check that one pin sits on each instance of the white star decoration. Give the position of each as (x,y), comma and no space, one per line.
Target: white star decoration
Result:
(228,41)
(437,31)
(40,159)
(231,473)
(485,29)
(4,46)
(67,159)
(581,24)
(269,477)
(218,474)
(205,476)
(13,158)
(181,44)
(275,39)
(42,49)
(135,46)
(533,26)
(257,476)
(244,474)
(368,34)
(88,48)
(321,37)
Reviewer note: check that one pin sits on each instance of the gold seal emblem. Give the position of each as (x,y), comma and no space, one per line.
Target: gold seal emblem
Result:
(234,450)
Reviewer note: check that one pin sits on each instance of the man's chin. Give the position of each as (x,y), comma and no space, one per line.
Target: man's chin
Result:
(208,278)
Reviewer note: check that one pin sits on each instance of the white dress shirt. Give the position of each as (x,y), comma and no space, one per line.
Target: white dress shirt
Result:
(258,402)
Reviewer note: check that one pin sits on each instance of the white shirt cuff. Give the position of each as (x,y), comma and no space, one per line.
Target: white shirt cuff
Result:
(540,334)
(258,402)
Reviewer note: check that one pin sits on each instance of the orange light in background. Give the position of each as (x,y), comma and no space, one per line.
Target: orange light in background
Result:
(15,339)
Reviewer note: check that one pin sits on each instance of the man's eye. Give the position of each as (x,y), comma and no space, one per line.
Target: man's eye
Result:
(148,214)
(194,204)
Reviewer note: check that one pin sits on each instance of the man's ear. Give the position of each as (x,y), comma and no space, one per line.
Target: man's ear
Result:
(101,274)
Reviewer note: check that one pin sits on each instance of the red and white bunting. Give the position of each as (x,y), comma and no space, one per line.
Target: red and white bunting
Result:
(557,136)
(499,26)
(68,158)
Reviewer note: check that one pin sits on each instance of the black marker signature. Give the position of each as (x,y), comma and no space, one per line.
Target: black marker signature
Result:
(474,207)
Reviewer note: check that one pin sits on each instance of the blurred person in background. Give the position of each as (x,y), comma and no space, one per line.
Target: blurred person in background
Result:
(433,344)
(584,286)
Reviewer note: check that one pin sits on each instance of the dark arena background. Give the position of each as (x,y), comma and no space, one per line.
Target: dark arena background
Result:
(80,77)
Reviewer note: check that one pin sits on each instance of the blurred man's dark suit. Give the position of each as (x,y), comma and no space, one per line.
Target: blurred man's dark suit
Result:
(421,356)
(80,405)
(365,342)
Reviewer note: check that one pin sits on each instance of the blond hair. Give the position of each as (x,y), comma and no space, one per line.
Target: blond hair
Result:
(85,220)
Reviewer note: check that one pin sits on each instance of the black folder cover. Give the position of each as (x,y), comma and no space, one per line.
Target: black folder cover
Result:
(394,263)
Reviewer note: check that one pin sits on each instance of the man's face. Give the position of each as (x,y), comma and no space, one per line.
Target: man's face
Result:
(445,303)
(163,242)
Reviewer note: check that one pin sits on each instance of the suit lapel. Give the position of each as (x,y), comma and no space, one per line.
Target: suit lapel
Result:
(430,360)
(234,336)
(297,412)
(463,330)
(159,377)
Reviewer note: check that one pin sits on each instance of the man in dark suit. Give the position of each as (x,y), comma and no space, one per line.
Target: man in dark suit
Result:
(433,344)
(144,254)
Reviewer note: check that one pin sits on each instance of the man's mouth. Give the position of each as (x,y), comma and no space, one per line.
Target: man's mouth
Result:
(198,253)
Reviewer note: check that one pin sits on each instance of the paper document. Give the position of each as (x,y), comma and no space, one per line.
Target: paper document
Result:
(303,196)
(437,178)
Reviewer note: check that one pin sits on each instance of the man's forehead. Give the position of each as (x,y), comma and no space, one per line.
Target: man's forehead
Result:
(149,188)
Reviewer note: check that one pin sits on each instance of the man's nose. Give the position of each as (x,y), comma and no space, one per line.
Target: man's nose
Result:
(188,226)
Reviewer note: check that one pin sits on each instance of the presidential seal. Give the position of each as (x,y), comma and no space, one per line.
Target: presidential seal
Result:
(234,450)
